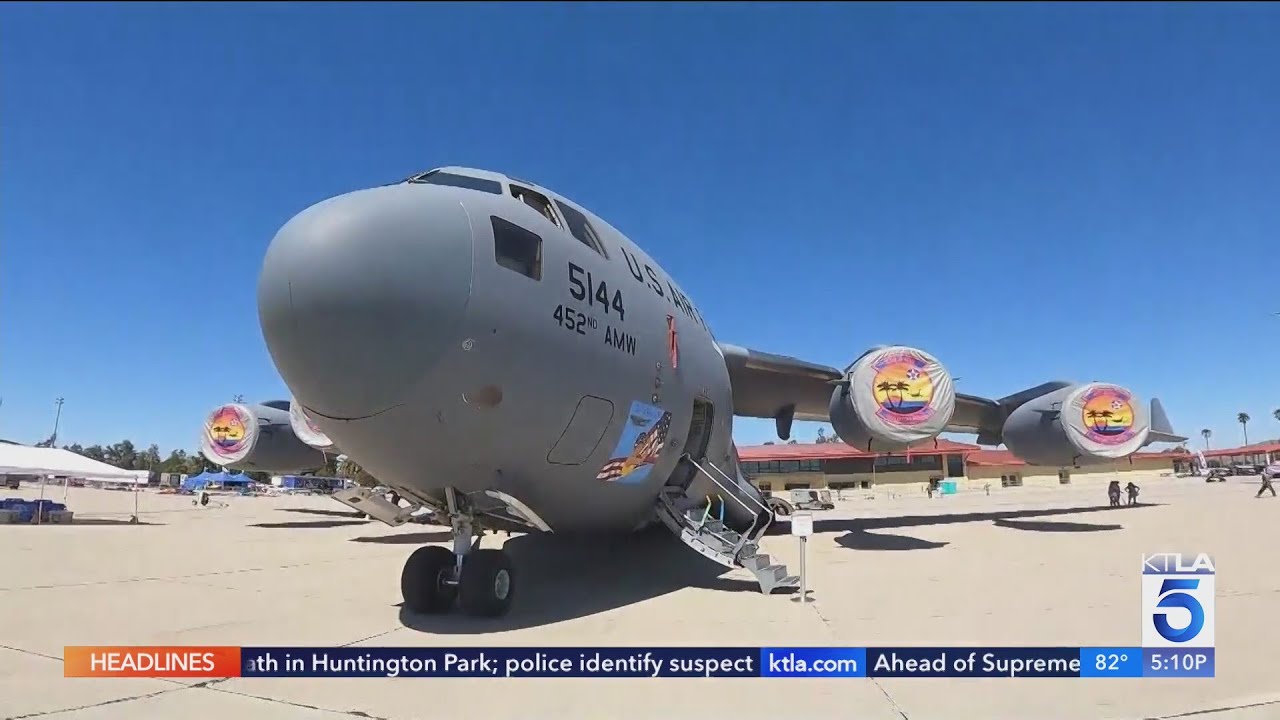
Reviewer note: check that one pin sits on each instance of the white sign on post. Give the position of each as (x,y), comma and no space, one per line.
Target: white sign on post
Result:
(802,524)
(802,527)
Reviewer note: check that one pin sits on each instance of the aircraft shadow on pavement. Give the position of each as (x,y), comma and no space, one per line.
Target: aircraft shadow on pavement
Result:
(312,524)
(421,538)
(863,540)
(108,521)
(1049,526)
(858,537)
(561,577)
(327,513)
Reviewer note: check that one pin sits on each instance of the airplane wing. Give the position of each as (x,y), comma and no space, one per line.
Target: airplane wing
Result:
(785,389)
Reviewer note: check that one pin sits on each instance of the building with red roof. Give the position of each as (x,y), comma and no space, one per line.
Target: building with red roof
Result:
(837,466)
(1263,453)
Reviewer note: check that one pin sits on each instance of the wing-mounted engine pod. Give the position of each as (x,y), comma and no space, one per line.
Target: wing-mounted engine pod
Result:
(230,434)
(1105,421)
(1077,425)
(892,397)
(306,429)
(256,438)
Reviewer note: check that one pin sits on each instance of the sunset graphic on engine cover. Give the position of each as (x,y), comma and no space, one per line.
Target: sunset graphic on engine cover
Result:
(1108,415)
(226,430)
(903,389)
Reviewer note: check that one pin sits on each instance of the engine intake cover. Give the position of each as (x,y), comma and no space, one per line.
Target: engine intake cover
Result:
(306,429)
(256,438)
(1105,420)
(1080,424)
(891,398)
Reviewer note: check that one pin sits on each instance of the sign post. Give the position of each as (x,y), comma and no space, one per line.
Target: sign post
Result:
(802,527)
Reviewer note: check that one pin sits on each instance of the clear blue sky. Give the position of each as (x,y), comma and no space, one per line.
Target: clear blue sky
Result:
(1029,192)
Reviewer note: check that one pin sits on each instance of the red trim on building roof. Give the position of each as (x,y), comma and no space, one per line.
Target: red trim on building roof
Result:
(987,458)
(974,455)
(838,450)
(1254,449)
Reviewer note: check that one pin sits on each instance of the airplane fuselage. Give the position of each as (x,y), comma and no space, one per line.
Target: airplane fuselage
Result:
(492,351)
(450,336)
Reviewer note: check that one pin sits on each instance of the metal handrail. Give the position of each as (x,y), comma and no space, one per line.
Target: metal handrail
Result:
(730,488)
(750,534)
(752,530)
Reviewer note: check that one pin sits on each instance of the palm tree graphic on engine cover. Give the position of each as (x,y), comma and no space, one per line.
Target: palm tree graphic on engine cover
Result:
(889,388)
(1104,415)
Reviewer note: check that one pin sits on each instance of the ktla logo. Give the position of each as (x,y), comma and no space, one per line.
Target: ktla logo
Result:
(1177,600)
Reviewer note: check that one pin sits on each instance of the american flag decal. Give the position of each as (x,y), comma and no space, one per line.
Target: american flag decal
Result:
(672,345)
(648,445)
(612,470)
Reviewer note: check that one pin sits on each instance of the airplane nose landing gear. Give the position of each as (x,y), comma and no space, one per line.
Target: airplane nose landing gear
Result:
(482,581)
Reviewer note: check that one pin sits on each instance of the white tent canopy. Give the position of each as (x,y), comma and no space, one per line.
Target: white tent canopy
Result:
(26,460)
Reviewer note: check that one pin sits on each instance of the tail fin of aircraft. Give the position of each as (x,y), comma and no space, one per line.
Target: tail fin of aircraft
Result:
(1161,429)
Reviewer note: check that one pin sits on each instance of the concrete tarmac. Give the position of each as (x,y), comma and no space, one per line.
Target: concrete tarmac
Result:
(1025,566)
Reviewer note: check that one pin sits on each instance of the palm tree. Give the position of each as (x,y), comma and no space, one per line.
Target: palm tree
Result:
(1206,434)
(886,387)
(1243,419)
(1274,413)
(1105,415)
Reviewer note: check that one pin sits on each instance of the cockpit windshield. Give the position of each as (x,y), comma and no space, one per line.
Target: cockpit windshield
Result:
(439,177)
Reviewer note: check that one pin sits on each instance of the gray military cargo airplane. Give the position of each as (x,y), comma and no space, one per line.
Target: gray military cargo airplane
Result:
(503,359)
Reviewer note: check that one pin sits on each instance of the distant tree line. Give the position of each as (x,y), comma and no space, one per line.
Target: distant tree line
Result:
(125,455)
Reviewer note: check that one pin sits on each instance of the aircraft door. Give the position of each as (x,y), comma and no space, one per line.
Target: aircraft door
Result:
(581,436)
(695,445)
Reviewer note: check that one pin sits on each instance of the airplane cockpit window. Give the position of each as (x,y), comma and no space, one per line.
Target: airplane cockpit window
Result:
(516,248)
(536,201)
(581,228)
(437,177)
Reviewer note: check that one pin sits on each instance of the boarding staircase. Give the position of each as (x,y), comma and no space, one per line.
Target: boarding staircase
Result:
(698,525)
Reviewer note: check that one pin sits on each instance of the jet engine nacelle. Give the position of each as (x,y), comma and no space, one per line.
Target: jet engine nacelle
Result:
(1078,425)
(257,438)
(892,397)
(306,430)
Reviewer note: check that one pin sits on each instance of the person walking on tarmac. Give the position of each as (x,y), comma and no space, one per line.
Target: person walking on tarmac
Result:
(1113,493)
(1132,490)
(1269,473)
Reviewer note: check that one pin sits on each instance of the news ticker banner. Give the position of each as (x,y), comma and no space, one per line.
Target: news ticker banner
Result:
(1178,619)
(619,662)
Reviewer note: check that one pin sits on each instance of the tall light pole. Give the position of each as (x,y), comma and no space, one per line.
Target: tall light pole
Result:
(53,440)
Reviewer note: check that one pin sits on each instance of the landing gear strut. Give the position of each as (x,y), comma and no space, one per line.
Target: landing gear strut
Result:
(482,581)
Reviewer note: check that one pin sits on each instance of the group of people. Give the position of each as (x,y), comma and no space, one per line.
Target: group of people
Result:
(1113,492)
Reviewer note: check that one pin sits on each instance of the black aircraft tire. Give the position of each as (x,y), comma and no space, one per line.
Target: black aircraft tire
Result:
(488,583)
(422,580)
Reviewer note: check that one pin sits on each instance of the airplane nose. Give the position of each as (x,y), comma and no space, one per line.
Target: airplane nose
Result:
(361,295)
